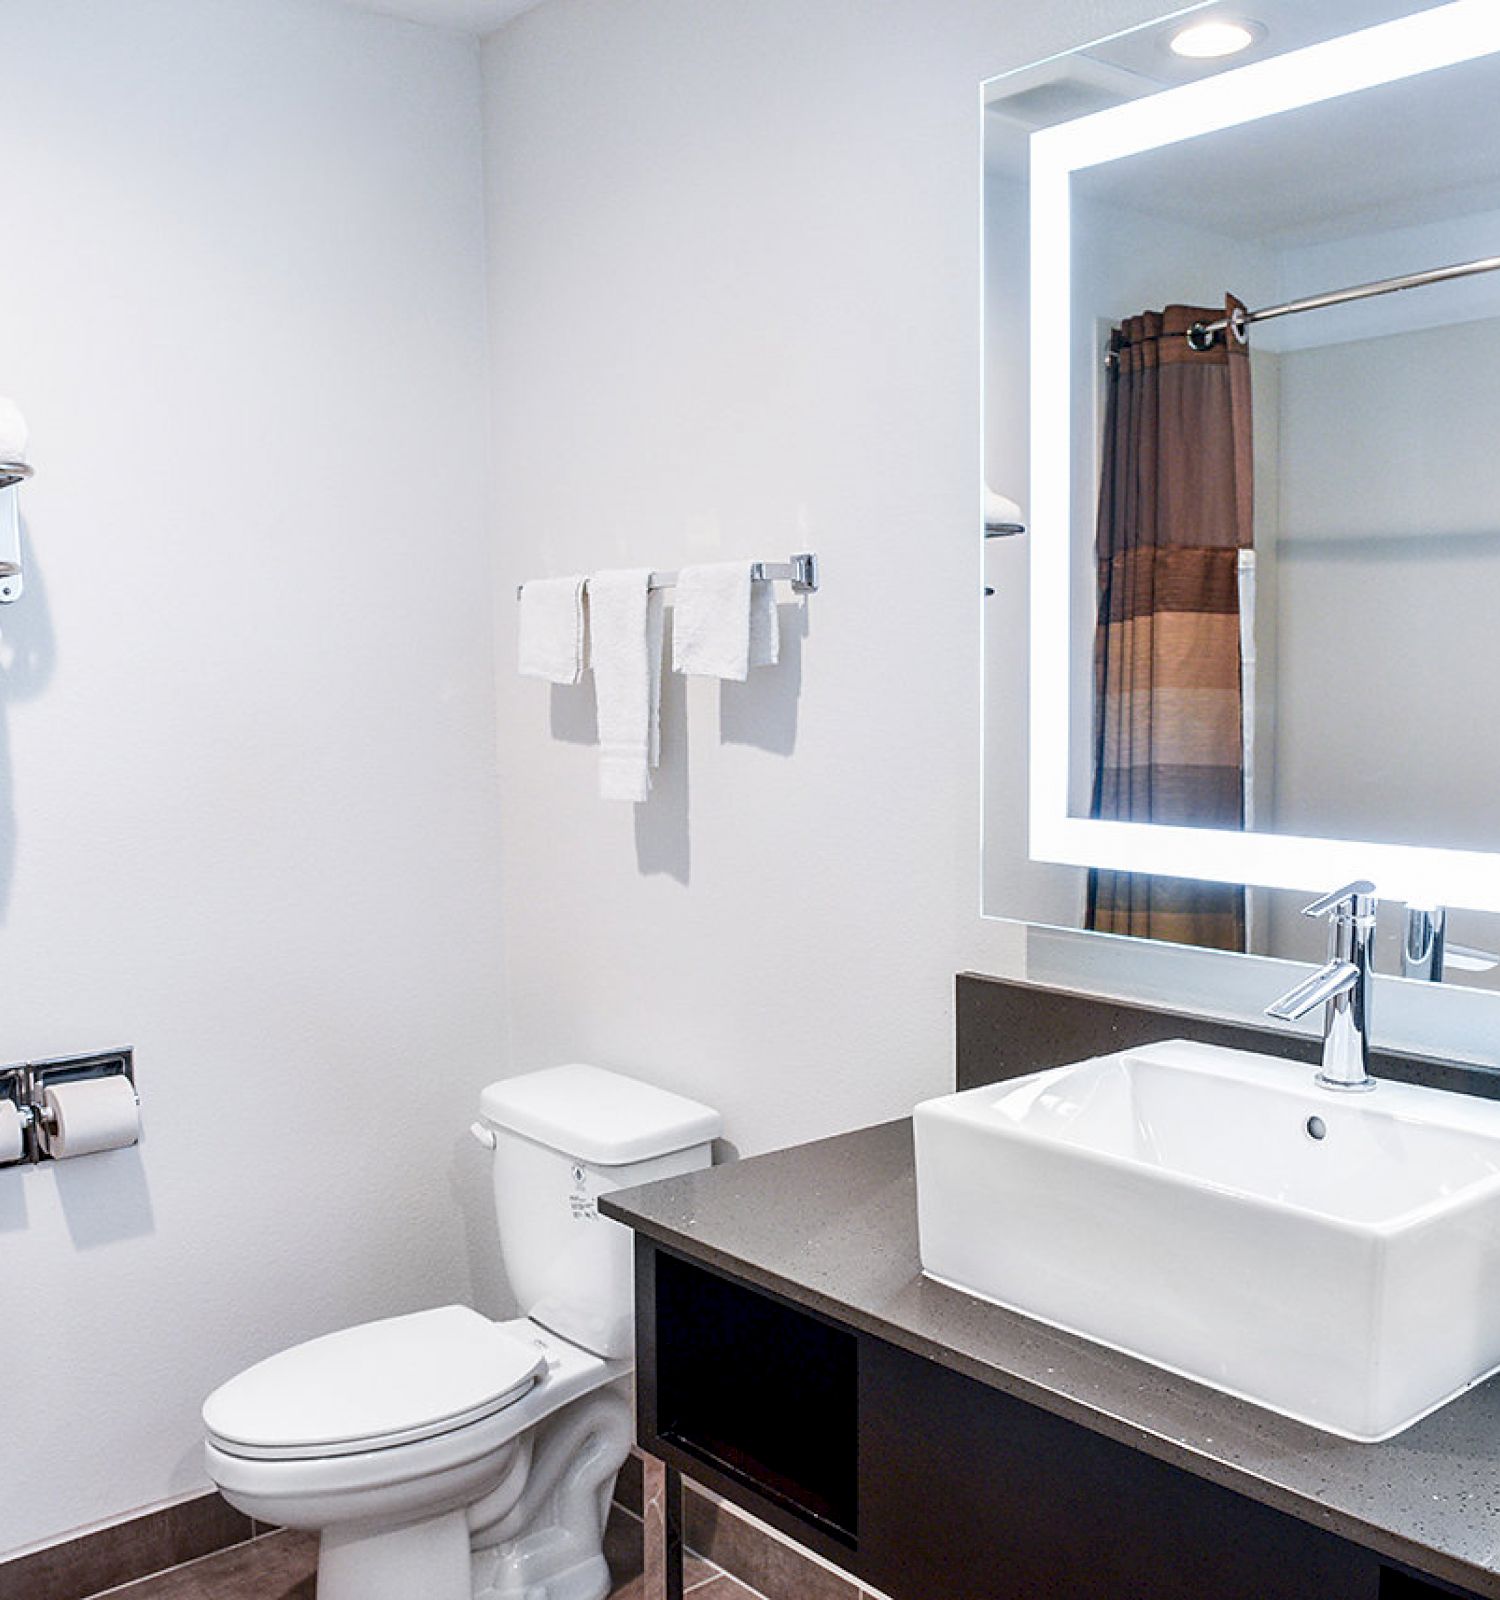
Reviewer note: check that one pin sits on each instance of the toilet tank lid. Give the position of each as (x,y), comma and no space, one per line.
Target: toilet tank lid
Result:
(598,1116)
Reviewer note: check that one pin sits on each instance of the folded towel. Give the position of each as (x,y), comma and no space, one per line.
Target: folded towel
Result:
(999,508)
(553,628)
(724,624)
(625,625)
(14,436)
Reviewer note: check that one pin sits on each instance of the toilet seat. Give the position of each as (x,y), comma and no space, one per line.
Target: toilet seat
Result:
(373,1387)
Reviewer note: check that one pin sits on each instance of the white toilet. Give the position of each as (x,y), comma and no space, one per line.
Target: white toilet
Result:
(442,1456)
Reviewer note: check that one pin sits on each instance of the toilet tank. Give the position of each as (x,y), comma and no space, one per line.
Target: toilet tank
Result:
(563,1137)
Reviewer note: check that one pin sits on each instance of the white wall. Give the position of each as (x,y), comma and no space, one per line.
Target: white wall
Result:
(734,302)
(1390,567)
(247,708)
(1391,562)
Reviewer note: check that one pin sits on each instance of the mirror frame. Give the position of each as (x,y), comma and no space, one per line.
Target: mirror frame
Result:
(1447,35)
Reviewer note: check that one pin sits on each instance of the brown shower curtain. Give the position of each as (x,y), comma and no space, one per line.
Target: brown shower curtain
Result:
(1175,505)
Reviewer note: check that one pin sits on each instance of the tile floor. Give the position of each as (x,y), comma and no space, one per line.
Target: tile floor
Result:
(280,1566)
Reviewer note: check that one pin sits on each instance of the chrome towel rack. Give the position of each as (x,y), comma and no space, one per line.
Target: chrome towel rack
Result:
(801,571)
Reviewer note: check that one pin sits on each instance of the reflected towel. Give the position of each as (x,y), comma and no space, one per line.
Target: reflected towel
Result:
(625,624)
(15,437)
(553,630)
(1000,510)
(723,623)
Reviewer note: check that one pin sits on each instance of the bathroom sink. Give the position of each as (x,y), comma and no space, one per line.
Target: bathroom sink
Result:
(1333,1256)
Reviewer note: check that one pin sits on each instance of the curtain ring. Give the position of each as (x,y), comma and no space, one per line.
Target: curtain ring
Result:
(1240,322)
(1200,337)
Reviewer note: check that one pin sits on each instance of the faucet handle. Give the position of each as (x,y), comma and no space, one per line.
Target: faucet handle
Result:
(1358,896)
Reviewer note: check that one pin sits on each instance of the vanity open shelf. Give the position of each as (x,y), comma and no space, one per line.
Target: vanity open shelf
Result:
(758,1391)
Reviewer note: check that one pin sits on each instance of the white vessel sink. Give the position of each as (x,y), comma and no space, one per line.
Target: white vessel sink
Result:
(1333,1256)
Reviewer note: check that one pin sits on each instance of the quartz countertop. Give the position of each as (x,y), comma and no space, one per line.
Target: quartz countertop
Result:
(833,1226)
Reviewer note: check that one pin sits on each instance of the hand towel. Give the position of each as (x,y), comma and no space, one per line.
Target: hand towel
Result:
(724,623)
(625,621)
(1000,509)
(14,436)
(553,628)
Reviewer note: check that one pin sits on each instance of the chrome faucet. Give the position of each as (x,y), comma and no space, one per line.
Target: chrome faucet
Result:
(1429,954)
(1342,986)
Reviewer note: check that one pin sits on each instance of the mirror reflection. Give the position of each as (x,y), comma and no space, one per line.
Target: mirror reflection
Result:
(1285,500)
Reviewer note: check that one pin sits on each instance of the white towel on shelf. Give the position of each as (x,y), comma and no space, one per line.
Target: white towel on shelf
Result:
(723,623)
(553,629)
(625,624)
(1000,510)
(14,435)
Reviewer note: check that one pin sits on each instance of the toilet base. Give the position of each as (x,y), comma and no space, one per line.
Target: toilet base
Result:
(495,1578)
(550,1545)
(428,1559)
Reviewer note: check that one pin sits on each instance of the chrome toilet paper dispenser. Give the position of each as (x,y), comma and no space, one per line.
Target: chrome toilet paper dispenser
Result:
(70,1106)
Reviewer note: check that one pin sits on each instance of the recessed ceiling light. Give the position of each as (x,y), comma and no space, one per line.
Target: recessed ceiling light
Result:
(1216,37)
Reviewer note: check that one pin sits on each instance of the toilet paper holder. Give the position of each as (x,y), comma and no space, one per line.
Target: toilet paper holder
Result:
(25,1085)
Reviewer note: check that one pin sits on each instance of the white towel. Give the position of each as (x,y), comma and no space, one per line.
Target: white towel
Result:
(625,623)
(553,630)
(723,624)
(1000,509)
(14,436)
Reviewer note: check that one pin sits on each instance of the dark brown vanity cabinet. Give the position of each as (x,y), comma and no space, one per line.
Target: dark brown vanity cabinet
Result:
(933,1486)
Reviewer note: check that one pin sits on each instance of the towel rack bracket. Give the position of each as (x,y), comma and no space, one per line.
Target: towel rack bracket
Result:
(804,573)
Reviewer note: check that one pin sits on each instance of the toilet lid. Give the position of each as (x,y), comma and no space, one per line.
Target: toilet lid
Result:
(377,1385)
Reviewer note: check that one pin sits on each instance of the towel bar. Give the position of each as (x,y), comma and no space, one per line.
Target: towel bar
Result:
(801,571)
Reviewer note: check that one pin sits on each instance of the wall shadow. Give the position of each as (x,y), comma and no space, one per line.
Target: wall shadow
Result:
(28,659)
(573,711)
(471,1186)
(13,1182)
(108,1202)
(762,711)
(662,843)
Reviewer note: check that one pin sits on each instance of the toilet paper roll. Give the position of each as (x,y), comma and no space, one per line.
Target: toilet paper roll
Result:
(12,1136)
(92,1114)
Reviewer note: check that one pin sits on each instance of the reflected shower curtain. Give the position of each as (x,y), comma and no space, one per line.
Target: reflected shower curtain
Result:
(1175,508)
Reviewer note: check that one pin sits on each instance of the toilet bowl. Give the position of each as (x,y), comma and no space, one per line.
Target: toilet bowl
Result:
(443,1456)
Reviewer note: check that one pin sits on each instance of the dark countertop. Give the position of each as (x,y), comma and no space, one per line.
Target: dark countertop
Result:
(833,1226)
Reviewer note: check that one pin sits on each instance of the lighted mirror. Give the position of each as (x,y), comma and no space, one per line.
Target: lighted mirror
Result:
(1255,602)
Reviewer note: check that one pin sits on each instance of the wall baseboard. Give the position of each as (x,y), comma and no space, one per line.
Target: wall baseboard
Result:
(137,1546)
(95,1559)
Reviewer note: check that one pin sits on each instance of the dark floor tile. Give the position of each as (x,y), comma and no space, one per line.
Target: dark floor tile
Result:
(281,1566)
(200,1526)
(628,1484)
(151,1543)
(624,1546)
(698,1579)
(725,1588)
(696,1572)
(776,1569)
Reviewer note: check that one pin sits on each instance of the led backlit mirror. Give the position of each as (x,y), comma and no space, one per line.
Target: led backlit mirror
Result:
(1263,542)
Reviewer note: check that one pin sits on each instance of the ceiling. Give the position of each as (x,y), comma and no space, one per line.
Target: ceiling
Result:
(465,16)
(1139,62)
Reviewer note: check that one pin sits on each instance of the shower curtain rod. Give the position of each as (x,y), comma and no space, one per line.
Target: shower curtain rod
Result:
(1202,334)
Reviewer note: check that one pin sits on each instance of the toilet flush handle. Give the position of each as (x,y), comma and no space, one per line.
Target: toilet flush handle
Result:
(485,1135)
